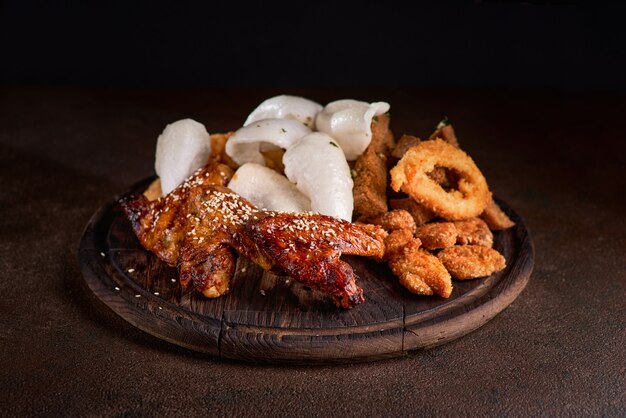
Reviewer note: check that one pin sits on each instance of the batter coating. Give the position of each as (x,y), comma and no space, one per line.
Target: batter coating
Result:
(411,176)
(437,235)
(471,261)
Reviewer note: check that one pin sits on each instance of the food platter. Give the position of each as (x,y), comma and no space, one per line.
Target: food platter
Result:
(269,318)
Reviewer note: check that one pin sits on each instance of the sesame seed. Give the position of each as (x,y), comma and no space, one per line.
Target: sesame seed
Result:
(117,288)
(137,296)
(160,307)
(102,254)
(156,293)
(262,292)
(131,270)
(173,280)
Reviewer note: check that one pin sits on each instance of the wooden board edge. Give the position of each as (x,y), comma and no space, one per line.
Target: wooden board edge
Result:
(191,333)
(420,335)
(217,338)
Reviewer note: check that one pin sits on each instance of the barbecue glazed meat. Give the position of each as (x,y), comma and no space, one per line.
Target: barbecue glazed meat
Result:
(307,247)
(191,227)
(197,225)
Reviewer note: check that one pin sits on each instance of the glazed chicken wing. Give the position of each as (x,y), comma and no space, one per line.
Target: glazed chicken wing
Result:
(192,227)
(307,247)
(197,225)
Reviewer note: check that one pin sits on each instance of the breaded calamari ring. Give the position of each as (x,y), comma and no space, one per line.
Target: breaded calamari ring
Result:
(411,176)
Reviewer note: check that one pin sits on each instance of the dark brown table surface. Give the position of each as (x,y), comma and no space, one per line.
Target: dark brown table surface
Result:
(557,158)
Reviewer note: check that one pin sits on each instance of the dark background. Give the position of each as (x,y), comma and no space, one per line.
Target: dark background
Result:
(556,45)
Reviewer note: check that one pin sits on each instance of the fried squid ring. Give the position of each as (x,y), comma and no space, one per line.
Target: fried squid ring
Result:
(410,175)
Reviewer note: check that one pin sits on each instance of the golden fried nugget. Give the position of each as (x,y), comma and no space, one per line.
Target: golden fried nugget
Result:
(437,235)
(495,218)
(444,131)
(153,192)
(404,143)
(218,150)
(395,219)
(421,272)
(371,172)
(473,232)
(411,176)
(396,241)
(471,261)
(420,214)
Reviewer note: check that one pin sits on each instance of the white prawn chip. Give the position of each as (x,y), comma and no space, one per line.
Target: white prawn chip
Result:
(349,122)
(319,168)
(182,148)
(245,144)
(286,107)
(267,189)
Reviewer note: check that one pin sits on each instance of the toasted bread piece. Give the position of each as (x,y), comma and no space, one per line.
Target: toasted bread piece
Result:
(371,172)
(495,218)
(404,143)
(420,214)
(153,192)
(445,131)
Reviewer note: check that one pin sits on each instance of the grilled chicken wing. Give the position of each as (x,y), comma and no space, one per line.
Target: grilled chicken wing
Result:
(199,223)
(179,228)
(307,247)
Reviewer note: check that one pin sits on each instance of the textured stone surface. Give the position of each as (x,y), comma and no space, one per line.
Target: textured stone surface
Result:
(558,159)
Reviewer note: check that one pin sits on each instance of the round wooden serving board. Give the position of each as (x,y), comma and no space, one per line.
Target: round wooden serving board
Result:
(269,318)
